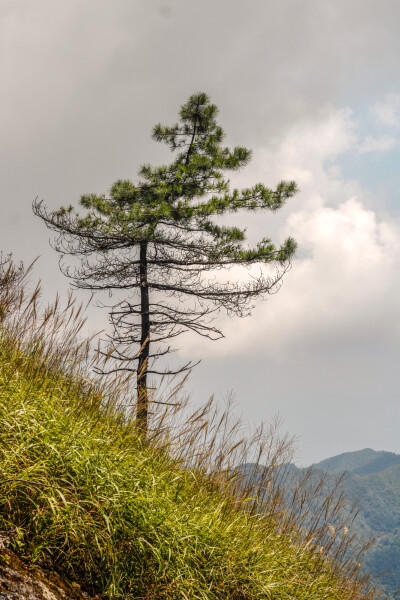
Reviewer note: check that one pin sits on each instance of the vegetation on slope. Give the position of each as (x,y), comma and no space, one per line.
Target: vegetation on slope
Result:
(82,493)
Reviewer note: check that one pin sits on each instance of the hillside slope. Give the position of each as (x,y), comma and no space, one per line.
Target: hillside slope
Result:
(157,518)
(87,497)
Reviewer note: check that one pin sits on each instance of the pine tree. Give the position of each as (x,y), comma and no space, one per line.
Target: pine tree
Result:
(157,239)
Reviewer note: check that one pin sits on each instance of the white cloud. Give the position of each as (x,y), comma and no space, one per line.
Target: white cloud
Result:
(345,291)
(344,284)
(381,143)
(387,112)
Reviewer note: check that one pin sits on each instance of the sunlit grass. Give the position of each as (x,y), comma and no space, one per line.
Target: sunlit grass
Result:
(83,494)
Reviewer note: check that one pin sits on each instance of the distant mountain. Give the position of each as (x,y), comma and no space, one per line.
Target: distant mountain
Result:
(372,480)
(362,462)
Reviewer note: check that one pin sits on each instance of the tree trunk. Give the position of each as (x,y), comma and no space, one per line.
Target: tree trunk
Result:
(142,396)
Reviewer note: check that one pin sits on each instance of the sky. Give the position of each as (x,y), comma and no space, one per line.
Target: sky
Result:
(312,87)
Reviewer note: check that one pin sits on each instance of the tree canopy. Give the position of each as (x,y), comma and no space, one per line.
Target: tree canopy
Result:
(157,238)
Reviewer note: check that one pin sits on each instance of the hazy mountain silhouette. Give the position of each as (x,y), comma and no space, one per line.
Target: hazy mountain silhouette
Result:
(361,462)
(372,480)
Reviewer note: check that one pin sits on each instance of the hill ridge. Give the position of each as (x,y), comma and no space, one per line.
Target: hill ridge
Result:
(360,462)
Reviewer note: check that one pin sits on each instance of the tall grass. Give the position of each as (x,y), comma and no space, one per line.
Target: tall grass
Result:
(169,517)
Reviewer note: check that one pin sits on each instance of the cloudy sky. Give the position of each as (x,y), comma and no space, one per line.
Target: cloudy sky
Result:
(312,87)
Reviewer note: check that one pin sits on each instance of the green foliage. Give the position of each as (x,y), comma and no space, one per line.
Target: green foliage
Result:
(189,191)
(186,194)
(88,498)
(158,239)
(83,494)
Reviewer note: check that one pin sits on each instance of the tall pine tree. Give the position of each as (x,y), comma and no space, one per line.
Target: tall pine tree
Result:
(157,239)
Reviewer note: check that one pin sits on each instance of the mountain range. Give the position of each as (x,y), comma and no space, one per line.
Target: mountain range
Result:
(372,480)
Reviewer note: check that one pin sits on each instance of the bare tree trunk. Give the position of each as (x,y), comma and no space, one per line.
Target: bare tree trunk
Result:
(142,395)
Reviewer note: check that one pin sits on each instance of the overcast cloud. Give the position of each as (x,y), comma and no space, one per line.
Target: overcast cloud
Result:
(311,86)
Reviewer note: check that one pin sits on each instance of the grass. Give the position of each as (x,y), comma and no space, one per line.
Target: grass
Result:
(163,518)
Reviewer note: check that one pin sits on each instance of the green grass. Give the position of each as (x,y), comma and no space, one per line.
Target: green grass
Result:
(81,493)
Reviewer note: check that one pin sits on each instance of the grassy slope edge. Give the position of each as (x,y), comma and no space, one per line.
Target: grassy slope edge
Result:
(82,494)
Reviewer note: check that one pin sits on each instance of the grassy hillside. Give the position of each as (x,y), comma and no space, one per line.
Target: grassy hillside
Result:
(81,493)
